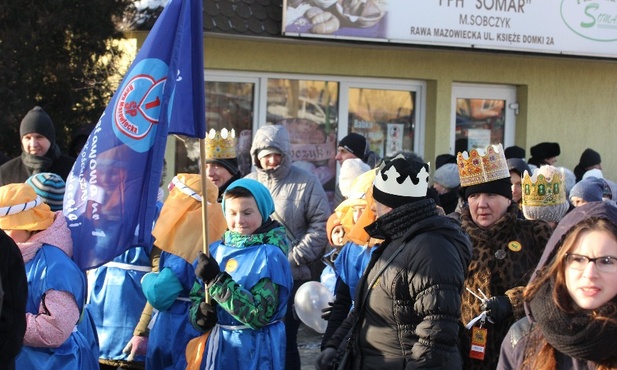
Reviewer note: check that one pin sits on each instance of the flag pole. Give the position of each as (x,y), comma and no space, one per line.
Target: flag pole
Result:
(204,204)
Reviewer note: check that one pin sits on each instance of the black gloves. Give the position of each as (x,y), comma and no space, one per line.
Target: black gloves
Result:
(499,308)
(205,316)
(325,358)
(207,268)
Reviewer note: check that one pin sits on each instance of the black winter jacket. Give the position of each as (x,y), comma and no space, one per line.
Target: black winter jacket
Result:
(409,319)
(15,171)
(13,313)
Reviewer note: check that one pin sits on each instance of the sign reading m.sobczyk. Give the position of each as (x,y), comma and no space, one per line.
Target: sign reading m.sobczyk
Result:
(572,27)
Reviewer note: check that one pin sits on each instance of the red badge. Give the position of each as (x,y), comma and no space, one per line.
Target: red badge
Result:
(478,343)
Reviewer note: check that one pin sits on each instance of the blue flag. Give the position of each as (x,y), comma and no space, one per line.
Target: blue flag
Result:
(111,192)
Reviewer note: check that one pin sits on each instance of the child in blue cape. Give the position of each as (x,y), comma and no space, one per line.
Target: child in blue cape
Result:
(250,289)
(56,286)
(178,233)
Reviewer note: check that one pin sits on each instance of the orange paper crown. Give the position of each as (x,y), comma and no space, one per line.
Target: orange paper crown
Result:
(221,145)
(480,166)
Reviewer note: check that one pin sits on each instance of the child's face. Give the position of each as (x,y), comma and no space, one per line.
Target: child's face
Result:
(242,215)
(338,233)
(357,212)
(18,236)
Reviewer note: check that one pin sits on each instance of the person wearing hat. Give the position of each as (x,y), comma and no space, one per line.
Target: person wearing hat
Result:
(590,159)
(301,205)
(587,190)
(545,197)
(544,153)
(506,250)
(355,214)
(178,232)
(442,159)
(12,301)
(50,187)
(40,153)
(249,280)
(352,155)
(514,151)
(517,168)
(56,286)
(408,299)
(221,163)
(446,182)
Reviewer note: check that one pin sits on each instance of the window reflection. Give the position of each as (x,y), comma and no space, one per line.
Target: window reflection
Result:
(308,109)
(479,123)
(228,105)
(385,117)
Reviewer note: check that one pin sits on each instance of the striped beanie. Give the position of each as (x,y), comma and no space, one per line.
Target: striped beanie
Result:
(50,187)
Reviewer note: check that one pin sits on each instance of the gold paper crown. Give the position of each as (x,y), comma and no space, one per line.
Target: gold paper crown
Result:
(221,145)
(544,188)
(478,167)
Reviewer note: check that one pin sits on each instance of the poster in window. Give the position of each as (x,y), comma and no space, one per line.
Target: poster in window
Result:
(394,138)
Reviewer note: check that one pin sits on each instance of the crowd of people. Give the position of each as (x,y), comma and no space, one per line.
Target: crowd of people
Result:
(488,261)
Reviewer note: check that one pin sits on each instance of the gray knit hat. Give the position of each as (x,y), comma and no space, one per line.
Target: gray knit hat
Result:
(589,189)
(447,176)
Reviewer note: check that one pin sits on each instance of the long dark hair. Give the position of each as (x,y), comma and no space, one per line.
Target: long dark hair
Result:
(540,354)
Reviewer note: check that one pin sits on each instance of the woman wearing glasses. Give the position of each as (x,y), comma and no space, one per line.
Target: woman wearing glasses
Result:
(572,298)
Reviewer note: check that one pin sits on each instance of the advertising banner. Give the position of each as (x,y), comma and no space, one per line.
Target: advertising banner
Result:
(572,27)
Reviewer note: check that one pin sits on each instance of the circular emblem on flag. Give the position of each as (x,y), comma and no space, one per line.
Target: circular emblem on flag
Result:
(138,105)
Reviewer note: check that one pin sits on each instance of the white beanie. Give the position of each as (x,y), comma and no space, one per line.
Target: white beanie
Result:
(350,170)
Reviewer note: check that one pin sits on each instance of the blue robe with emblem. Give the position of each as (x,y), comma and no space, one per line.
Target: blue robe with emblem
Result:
(233,345)
(172,329)
(117,300)
(52,269)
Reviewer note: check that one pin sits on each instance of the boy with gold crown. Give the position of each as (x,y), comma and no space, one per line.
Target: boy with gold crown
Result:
(221,165)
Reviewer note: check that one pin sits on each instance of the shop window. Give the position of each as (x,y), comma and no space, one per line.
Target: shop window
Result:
(316,111)
(308,109)
(483,115)
(385,117)
(228,105)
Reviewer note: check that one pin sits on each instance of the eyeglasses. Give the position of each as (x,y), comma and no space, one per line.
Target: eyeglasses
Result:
(579,262)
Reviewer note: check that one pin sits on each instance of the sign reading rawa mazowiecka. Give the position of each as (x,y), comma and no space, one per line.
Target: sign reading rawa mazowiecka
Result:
(572,27)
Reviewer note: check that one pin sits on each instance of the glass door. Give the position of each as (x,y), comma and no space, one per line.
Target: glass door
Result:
(482,115)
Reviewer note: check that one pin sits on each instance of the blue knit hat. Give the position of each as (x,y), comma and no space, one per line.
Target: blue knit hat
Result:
(589,189)
(50,187)
(260,193)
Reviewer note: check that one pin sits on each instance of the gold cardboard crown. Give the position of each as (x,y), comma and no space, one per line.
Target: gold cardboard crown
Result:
(481,166)
(544,188)
(221,145)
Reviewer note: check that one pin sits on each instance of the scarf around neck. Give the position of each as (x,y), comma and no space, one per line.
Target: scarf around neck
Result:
(270,232)
(576,335)
(487,234)
(38,164)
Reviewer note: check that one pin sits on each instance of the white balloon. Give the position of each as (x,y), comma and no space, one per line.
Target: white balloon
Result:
(310,299)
